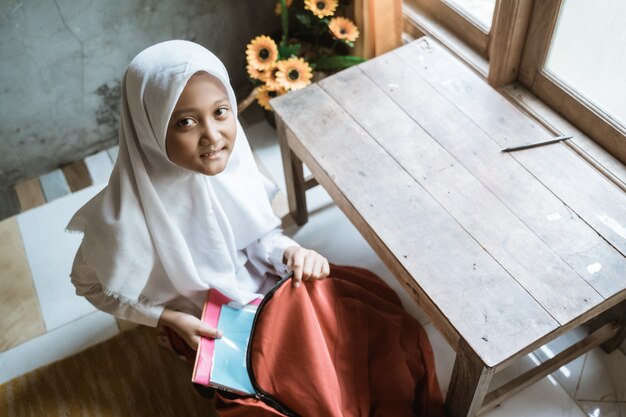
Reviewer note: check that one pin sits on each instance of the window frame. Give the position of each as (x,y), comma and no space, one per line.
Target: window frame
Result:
(457,22)
(559,96)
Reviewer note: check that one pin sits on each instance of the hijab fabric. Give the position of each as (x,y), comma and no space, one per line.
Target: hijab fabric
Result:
(155,217)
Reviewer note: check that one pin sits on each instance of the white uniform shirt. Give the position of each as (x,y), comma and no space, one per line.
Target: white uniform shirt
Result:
(260,263)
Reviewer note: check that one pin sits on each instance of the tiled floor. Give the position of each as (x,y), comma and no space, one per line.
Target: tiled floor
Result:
(62,324)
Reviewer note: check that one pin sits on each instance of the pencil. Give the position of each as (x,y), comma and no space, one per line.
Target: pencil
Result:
(535,144)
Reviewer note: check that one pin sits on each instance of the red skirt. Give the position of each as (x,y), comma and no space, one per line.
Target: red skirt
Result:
(338,347)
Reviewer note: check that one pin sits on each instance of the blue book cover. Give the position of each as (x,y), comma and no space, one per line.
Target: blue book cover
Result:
(229,359)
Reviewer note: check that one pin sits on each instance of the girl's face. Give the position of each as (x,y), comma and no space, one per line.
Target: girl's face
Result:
(201,132)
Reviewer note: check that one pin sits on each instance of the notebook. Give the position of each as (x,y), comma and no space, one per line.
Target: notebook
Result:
(221,363)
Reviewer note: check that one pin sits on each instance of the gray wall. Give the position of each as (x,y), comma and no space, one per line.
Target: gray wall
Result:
(61,62)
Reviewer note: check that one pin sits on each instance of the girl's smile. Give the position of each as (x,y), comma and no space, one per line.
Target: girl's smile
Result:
(202,130)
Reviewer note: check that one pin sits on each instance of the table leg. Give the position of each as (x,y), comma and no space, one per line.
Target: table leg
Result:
(294,177)
(617,314)
(469,383)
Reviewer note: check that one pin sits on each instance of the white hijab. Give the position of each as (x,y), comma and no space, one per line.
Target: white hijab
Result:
(155,217)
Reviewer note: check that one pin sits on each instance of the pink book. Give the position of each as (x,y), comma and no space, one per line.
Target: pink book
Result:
(204,365)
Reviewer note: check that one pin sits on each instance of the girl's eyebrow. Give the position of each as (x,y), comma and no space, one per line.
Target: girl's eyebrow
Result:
(193,109)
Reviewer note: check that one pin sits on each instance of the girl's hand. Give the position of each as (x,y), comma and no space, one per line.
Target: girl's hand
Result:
(306,264)
(189,327)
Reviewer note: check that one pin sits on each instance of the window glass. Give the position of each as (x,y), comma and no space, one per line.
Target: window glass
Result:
(588,53)
(478,11)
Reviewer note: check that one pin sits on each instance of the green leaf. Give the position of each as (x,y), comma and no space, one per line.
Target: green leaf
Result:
(337,62)
(305,19)
(285,51)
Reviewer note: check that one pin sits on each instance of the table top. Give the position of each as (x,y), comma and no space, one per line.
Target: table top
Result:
(503,250)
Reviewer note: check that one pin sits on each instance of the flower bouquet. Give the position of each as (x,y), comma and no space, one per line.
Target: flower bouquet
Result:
(319,46)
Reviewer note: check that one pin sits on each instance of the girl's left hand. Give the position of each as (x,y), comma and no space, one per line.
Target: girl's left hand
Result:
(306,264)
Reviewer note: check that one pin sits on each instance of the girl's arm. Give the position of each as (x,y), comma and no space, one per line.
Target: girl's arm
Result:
(87,285)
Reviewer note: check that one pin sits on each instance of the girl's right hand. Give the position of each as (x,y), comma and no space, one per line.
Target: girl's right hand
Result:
(189,327)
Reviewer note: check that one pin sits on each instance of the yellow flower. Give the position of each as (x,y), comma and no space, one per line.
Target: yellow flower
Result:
(264,94)
(261,52)
(343,29)
(256,73)
(321,8)
(293,73)
(277,8)
(270,77)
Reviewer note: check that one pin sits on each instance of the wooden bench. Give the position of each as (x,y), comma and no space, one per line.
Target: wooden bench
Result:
(503,251)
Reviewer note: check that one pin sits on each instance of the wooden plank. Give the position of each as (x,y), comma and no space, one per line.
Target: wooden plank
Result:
(30,194)
(525,380)
(99,166)
(507,179)
(411,232)
(507,40)
(77,175)
(9,203)
(515,247)
(21,318)
(468,385)
(53,185)
(576,183)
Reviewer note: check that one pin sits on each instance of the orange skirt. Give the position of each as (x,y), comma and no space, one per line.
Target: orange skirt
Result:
(338,347)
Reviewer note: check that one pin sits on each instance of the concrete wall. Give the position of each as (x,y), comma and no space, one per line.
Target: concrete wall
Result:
(61,62)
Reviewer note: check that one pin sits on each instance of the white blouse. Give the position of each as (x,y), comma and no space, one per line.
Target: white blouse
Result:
(260,263)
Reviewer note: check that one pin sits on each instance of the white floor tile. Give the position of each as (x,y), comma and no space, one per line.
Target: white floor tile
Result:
(50,251)
(568,375)
(444,357)
(603,377)
(54,185)
(602,409)
(57,344)
(99,166)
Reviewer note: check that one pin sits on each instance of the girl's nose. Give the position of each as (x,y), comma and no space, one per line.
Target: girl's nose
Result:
(210,133)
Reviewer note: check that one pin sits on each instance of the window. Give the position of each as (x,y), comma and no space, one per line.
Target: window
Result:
(468,19)
(575,61)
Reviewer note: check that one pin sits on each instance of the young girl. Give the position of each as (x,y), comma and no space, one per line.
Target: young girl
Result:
(168,227)
(186,210)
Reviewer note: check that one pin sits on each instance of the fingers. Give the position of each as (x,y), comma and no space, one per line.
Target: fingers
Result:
(209,332)
(307,265)
(296,264)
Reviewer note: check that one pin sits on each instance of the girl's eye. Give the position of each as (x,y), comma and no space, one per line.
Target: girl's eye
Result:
(186,122)
(221,111)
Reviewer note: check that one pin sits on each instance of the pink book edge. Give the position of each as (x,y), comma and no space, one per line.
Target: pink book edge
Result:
(210,315)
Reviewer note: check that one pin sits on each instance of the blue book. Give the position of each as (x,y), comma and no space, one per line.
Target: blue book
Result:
(229,369)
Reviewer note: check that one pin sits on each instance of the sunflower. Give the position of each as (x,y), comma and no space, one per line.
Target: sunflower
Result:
(261,52)
(270,77)
(293,73)
(321,8)
(264,94)
(256,73)
(343,29)
(277,9)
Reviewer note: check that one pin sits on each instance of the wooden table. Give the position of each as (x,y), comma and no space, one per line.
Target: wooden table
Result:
(503,251)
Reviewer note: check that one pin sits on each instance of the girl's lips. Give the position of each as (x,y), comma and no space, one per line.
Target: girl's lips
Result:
(212,155)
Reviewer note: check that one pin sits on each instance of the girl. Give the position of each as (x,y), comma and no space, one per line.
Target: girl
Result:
(168,227)
(186,210)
